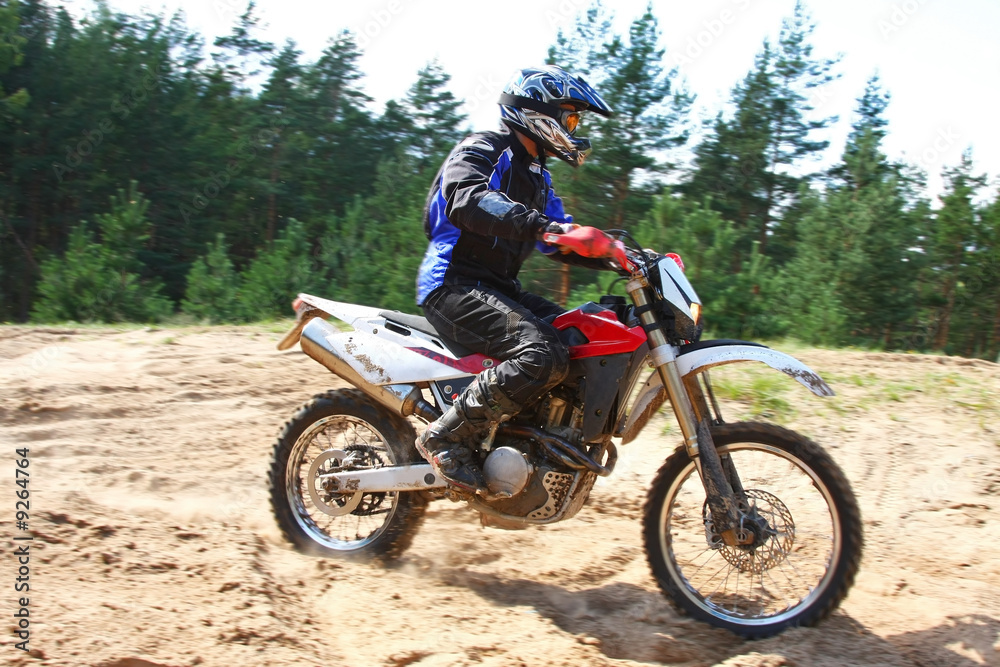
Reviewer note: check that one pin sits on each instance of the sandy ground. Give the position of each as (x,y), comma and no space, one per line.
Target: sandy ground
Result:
(154,544)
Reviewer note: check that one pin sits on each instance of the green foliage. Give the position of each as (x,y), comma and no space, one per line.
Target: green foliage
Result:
(246,138)
(373,252)
(432,113)
(99,282)
(651,111)
(280,271)
(587,292)
(812,305)
(743,164)
(11,44)
(956,229)
(737,295)
(212,286)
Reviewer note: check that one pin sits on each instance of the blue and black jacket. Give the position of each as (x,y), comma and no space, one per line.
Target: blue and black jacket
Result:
(484,213)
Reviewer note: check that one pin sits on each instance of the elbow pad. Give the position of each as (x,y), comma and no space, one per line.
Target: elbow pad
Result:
(495,204)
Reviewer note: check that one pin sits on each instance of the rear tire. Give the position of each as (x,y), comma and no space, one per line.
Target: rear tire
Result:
(809,522)
(364,435)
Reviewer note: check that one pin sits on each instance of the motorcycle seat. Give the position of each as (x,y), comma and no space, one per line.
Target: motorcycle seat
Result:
(418,323)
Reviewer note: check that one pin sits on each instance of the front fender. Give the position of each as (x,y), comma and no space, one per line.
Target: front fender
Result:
(702,358)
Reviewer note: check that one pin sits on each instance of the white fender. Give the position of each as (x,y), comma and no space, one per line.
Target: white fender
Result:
(351,313)
(699,360)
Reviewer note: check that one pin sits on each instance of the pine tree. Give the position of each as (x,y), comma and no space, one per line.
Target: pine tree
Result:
(101,281)
(875,230)
(373,252)
(241,50)
(650,115)
(434,113)
(281,139)
(987,278)
(953,233)
(746,162)
(212,286)
(811,304)
(975,322)
(729,164)
(736,303)
(344,146)
(617,184)
(280,271)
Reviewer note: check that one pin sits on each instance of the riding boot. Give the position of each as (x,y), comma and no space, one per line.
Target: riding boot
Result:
(450,444)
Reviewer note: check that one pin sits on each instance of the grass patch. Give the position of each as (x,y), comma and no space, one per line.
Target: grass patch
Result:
(763,394)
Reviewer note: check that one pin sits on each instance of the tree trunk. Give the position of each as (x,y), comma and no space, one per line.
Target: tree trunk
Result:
(972,336)
(995,342)
(272,198)
(941,339)
(563,284)
(621,192)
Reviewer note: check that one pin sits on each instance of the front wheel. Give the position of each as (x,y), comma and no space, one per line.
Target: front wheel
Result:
(802,511)
(343,430)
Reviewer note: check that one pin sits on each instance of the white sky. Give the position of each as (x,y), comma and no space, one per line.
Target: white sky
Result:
(939,60)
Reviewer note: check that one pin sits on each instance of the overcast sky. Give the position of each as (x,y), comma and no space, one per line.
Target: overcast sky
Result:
(939,60)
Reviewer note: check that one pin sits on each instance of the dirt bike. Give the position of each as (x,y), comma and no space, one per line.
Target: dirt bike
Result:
(747,526)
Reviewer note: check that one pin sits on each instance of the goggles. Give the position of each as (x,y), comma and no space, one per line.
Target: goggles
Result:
(568,118)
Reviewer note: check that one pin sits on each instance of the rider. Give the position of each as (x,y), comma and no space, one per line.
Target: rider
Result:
(488,208)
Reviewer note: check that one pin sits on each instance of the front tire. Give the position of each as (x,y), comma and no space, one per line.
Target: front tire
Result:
(809,549)
(331,432)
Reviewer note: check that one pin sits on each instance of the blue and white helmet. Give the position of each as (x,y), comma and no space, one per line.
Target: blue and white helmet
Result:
(530,104)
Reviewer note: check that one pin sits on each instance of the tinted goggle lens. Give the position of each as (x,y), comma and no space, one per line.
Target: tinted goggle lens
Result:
(571,120)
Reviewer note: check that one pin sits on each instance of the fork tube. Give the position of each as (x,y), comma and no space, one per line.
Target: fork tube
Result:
(719,493)
(662,354)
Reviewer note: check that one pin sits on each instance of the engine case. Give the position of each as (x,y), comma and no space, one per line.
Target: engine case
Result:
(547,493)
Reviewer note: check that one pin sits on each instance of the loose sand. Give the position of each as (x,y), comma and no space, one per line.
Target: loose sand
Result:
(154,543)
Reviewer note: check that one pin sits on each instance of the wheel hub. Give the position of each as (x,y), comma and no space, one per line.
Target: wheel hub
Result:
(766,527)
(324,498)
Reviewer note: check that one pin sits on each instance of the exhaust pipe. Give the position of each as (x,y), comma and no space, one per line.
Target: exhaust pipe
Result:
(328,346)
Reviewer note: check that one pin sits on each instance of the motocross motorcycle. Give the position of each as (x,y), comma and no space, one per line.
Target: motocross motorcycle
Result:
(747,526)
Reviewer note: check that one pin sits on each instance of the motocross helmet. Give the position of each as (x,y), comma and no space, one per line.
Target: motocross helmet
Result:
(530,104)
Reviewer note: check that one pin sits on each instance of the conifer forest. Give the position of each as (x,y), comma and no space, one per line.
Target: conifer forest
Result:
(147,176)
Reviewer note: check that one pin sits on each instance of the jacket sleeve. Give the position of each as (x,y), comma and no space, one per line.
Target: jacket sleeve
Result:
(470,187)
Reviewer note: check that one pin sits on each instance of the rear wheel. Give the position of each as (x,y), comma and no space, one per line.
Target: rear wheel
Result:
(343,430)
(805,519)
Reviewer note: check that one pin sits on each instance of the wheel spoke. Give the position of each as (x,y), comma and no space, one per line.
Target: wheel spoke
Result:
(786,566)
(365,448)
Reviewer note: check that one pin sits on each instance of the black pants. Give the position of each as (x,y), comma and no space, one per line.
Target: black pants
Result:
(506,328)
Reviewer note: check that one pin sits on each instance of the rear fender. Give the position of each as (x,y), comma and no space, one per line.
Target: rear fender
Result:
(696,361)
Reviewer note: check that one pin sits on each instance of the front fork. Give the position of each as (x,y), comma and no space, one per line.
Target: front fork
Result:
(694,419)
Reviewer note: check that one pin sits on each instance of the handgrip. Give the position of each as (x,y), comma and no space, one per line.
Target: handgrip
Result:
(590,242)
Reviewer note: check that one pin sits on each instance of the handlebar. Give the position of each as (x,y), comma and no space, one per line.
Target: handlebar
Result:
(592,242)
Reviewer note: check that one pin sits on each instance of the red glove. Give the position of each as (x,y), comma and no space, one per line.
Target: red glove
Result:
(584,241)
(554,230)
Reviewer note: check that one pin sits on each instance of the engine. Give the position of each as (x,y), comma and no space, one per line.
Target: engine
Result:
(507,471)
(536,488)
